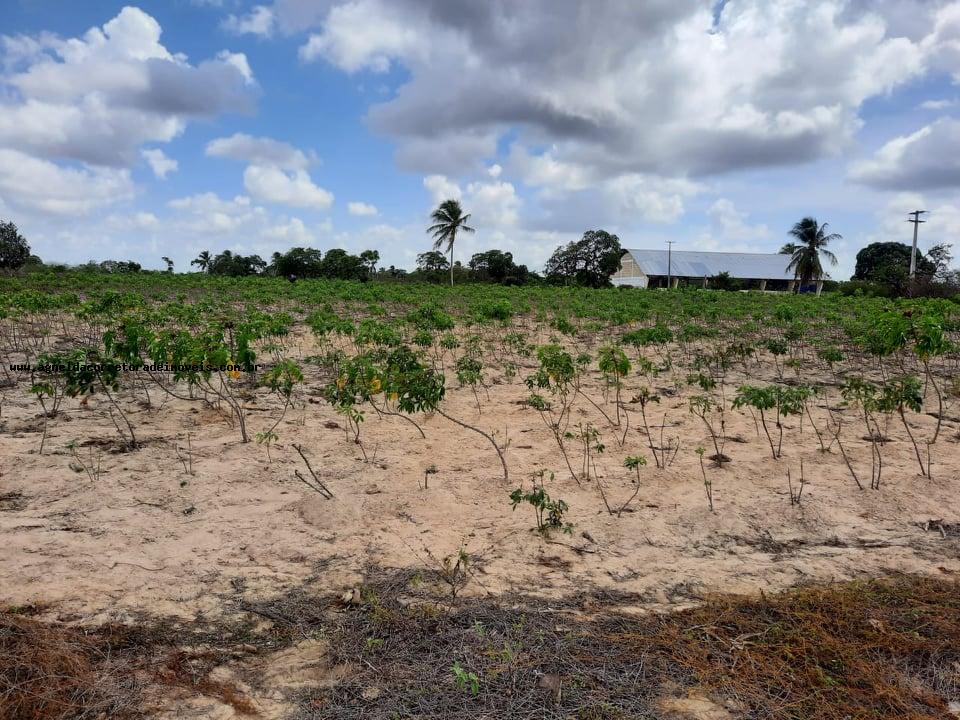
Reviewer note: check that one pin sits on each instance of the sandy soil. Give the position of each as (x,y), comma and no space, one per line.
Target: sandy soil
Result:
(149,536)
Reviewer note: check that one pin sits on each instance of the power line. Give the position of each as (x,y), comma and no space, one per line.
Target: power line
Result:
(916,226)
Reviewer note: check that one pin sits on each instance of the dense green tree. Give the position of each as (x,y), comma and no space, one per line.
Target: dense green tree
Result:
(448,220)
(432,262)
(498,266)
(297,262)
(812,239)
(338,264)
(888,263)
(226,263)
(119,266)
(590,261)
(14,249)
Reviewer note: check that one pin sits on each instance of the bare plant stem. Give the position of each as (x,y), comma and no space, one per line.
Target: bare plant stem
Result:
(795,497)
(707,484)
(646,427)
(763,421)
(823,448)
(503,462)
(916,449)
(317,484)
(843,452)
(599,409)
(384,411)
(632,497)
(936,389)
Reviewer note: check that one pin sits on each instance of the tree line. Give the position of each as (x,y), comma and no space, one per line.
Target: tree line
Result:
(882,268)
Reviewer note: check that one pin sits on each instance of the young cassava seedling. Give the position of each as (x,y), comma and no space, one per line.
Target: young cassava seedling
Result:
(548,512)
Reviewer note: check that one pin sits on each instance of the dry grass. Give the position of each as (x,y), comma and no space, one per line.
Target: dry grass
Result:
(52,671)
(887,648)
(874,649)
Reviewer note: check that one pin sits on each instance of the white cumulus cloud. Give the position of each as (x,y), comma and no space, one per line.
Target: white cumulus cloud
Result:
(259,21)
(76,112)
(294,188)
(276,173)
(34,184)
(160,163)
(259,151)
(361,209)
(96,99)
(441,188)
(926,159)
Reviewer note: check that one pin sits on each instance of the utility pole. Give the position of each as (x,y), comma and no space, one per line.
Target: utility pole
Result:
(670,263)
(913,253)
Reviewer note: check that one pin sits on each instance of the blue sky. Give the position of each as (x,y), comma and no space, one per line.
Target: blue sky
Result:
(166,128)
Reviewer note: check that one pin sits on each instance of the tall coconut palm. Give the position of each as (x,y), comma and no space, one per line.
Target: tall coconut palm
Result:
(202,261)
(812,240)
(448,220)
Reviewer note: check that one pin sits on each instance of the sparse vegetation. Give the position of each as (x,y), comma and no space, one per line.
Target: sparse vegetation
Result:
(353,391)
(880,648)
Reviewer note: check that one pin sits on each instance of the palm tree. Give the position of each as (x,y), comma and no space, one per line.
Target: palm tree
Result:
(448,220)
(370,259)
(202,261)
(812,241)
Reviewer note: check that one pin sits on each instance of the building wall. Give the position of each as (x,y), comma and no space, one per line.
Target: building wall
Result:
(629,273)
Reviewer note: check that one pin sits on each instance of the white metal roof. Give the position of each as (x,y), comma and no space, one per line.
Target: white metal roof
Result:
(691,263)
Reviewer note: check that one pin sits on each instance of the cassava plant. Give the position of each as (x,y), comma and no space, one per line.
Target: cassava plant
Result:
(557,374)
(282,379)
(615,366)
(631,462)
(100,374)
(591,445)
(898,395)
(711,414)
(929,343)
(866,395)
(469,369)
(549,513)
(644,397)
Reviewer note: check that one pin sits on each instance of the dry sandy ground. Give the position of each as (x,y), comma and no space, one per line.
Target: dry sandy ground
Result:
(147,536)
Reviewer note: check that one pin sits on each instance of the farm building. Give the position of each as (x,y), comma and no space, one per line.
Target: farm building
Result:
(651,268)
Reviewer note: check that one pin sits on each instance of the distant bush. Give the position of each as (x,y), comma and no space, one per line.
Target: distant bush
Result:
(920,288)
(865,287)
(723,281)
